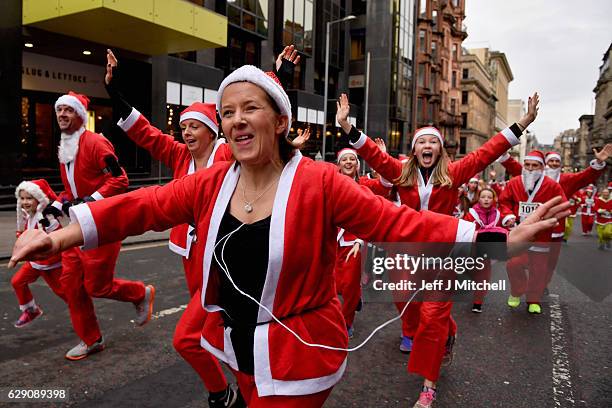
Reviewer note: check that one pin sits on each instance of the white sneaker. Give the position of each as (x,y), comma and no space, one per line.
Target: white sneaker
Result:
(144,309)
(81,350)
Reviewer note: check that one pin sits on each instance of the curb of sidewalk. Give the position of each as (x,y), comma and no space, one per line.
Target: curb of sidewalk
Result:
(4,257)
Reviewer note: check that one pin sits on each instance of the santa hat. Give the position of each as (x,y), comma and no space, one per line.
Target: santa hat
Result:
(346,151)
(266,81)
(474,180)
(552,155)
(535,155)
(204,112)
(41,191)
(427,131)
(76,101)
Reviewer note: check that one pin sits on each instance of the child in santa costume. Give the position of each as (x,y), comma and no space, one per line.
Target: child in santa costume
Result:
(587,214)
(603,220)
(90,172)
(276,319)
(32,198)
(428,180)
(528,274)
(347,271)
(487,217)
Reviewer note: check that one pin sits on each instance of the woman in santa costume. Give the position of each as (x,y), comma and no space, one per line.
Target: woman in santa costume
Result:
(90,172)
(347,271)
(603,220)
(277,319)
(202,148)
(528,273)
(487,217)
(32,198)
(587,215)
(429,181)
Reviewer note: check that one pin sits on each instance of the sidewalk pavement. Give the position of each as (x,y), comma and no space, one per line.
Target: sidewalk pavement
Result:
(7,234)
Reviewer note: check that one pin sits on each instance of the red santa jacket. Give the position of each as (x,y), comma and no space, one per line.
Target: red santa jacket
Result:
(299,285)
(587,206)
(603,211)
(87,174)
(472,216)
(515,203)
(427,196)
(176,156)
(575,202)
(32,222)
(378,187)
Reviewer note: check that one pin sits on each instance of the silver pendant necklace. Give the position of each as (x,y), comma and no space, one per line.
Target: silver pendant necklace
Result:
(248,205)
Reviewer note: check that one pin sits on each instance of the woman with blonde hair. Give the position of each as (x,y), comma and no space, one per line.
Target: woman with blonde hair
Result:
(429,180)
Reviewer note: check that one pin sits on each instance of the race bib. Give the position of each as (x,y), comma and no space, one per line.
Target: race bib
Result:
(526,209)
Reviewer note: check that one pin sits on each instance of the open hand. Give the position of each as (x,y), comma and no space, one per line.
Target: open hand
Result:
(290,54)
(604,153)
(111,62)
(33,244)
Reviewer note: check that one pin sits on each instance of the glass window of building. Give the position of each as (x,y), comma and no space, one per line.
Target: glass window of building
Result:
(464,98)
(466,73)
(464,120)
(298,18)
(422,8)
(250,15)
(422,40)
(462,145)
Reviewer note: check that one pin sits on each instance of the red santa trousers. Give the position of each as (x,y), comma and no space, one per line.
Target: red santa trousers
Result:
(246,383)
(527,274)
(187,343)
(348,277)
(27,274)
(98,266)
(435,325)
(587,223)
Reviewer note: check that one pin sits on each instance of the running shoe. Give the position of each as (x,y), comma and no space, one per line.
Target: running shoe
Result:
(514,301)
(426,398)
(230,398)
(144,309)
(28,316)
(81,350)
(477,308)
(534,308)
(406,345)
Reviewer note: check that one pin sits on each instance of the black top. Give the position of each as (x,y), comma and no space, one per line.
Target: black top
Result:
(246,259)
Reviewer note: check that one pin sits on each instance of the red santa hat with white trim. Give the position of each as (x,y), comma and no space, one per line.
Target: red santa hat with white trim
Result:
(474,180)
(535,155)
(347,151)
(78,102)
(267,81)
(41,191)
(427,131)
(552,155)
(204,112)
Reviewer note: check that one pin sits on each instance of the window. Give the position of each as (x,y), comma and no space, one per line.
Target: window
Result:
(455,53)
(454,80)
(453,106)
(430,112)
(434,16)
(434,49)
(464,124)
(357,47)
(298,21)
(419,112)
(250,15)
(462,145)
(464,98)
(422,8)
(421,75)
(422,43)
(466,73)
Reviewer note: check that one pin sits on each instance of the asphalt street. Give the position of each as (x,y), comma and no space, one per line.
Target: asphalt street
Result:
(503,358)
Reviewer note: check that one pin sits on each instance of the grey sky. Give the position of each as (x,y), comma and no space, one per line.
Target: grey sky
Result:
(553,46)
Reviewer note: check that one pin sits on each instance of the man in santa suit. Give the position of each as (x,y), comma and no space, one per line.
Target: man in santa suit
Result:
(603,211)
(520,198)
(90,172)
(587,213)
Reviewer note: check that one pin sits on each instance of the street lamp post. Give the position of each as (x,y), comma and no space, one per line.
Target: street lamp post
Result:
(325,92)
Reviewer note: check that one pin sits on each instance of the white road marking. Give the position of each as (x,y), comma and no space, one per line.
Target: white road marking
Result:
(561,375)
(134,247)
